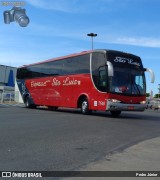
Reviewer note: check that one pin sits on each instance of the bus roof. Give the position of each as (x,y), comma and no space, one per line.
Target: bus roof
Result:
(77,54)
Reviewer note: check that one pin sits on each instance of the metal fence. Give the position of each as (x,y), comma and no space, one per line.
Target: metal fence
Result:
(7,97)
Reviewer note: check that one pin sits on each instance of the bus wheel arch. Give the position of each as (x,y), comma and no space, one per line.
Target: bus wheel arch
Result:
(28,102)
(83,104)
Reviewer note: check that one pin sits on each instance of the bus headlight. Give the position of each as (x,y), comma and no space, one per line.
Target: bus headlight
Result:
(114,100)
(143,102)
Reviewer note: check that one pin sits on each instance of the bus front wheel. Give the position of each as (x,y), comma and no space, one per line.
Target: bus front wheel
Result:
(115,113)
(85,106)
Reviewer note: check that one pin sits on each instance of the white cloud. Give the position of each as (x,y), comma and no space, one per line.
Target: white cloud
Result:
(72,6)
(139,41)
(81,34)
(136,41)
(60,5)
(102,38)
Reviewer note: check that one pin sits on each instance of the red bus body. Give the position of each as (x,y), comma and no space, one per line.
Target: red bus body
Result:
(70,89)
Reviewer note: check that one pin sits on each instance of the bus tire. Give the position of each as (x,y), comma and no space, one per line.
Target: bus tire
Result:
(115,113)
(27,102)
(85,106)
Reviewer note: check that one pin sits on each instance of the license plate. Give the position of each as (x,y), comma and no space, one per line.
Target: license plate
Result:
(131,107)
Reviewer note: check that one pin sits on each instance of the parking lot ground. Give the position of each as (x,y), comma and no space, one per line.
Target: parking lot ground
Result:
(142,160)
(38,139)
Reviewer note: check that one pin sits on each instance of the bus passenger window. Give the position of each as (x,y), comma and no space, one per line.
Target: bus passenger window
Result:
(102,79)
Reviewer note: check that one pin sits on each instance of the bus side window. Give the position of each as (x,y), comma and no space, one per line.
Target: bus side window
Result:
(102,80)
(97,65)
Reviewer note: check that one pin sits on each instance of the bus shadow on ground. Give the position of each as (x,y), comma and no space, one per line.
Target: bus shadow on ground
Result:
(125,115)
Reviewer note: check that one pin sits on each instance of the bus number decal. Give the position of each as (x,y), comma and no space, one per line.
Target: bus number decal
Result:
(101,103)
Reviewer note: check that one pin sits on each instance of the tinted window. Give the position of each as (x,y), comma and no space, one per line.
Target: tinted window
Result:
(102,80)
(23,73)
(73,65)
(99,71)
(128,81)
(77,65)
(50,68)
(98,59)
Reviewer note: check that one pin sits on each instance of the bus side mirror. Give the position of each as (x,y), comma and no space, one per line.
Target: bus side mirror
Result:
(152,74)
(110,69)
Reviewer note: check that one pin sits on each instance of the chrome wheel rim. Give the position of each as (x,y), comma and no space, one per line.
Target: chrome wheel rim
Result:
(84,106)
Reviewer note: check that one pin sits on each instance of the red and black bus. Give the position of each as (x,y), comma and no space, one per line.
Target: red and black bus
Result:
(105,80)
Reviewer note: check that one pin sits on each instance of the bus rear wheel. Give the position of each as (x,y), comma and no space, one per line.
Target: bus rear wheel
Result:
(27,102)
(85,106)
(115,113)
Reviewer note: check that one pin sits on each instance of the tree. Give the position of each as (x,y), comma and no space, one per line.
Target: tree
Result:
(147,94)
(156,96)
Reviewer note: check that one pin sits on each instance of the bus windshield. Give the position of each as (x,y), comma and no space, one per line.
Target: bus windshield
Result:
(128,81)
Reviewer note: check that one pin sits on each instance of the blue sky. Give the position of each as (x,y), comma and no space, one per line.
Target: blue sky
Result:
(60,27)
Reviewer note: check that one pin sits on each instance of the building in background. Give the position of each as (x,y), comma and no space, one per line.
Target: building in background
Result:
(7,78)
(7,82)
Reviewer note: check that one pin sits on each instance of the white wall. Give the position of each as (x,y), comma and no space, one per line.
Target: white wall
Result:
(18,97)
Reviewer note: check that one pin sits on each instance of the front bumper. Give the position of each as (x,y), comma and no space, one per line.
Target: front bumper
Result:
(117,106)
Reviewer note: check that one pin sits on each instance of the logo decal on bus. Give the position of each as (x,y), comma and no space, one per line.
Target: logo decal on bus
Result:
(126,60)
(68,82)
(23,88)
(35,84)
(55,82)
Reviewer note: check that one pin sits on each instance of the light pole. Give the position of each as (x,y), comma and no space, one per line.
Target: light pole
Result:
(92,35)
(159,92)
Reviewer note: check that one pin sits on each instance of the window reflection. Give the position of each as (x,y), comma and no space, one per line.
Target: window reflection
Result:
(128,81)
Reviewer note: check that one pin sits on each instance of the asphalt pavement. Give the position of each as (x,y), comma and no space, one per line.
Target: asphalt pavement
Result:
(143,159)
(66,140)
